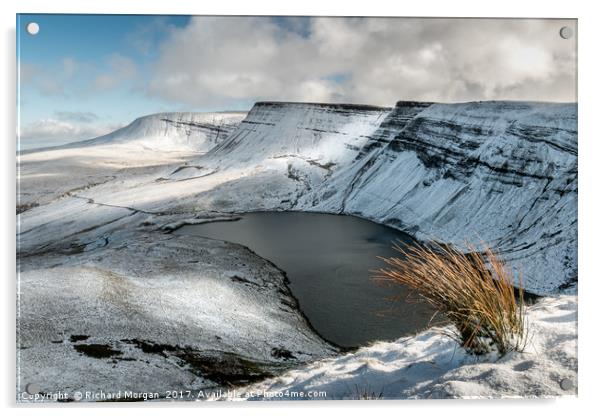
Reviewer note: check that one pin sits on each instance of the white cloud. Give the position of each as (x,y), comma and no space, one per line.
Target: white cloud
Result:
(70,66)
(47,83)
(218,61)
(77,78)
(121,68)
(144,36)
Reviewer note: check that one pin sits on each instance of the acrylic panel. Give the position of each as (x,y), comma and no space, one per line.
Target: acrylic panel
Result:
(295,208)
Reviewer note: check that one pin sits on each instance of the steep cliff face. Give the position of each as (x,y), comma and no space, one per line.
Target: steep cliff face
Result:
(495,172)
(500,173)
(174,131)
(326,132)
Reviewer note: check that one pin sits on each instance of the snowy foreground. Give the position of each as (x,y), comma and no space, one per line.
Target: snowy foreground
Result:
(109,298)
(430,365)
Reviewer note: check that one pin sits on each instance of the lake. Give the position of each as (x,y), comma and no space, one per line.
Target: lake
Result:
(329,260)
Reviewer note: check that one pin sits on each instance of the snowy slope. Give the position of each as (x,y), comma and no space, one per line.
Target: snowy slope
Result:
(169,312)
(148,142)
(173,131)
(433,366)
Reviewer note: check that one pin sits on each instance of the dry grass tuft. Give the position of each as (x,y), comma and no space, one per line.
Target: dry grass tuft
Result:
(474,290)
(366,393)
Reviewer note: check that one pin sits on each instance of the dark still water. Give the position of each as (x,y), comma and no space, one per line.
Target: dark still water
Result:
(328,260)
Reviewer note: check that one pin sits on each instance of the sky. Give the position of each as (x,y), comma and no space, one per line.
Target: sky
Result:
(82,76)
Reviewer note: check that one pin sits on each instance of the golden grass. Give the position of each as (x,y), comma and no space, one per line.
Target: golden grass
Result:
(474,290)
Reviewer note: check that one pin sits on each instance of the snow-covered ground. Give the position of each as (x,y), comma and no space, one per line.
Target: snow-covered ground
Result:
(143,145)
(149,312)
(94,222)
(431,365)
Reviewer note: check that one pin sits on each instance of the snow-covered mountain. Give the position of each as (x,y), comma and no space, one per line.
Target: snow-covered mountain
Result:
(174,131)
(147,142)
(501,173)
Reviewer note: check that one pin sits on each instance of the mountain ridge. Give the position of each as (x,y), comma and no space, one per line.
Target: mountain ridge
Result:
(495,172)
(422,167)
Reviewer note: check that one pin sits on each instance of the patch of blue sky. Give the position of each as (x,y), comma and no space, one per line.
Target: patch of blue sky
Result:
(62,66)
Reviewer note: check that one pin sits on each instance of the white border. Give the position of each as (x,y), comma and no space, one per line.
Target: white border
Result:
(590,152)
(435,8)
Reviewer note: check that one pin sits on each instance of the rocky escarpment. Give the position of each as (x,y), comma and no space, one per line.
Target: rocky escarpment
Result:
(303,130)
(497,173)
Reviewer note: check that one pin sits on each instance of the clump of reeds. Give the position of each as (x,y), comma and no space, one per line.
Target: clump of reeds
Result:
(474,290)
(365,393)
